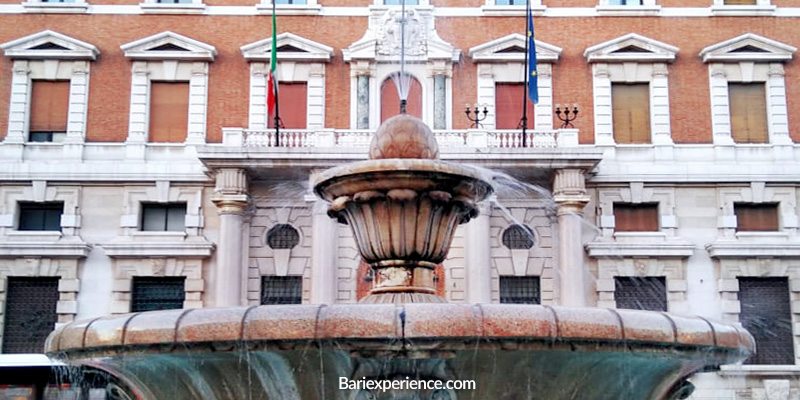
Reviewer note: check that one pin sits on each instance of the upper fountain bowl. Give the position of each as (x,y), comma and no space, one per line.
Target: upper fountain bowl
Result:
(403,136)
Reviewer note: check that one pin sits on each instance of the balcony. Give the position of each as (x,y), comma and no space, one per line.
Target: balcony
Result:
(456,140)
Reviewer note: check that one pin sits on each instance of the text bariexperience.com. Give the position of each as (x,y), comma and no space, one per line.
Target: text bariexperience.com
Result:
(385,385)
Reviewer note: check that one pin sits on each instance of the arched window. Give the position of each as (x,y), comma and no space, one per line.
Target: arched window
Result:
(282,236)
(390,100)
(518,237)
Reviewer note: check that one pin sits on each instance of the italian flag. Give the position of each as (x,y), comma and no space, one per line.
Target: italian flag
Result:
(272,80)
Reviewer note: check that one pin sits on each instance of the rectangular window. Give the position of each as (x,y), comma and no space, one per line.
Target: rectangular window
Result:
(169,111)
(748,107)
(520,290)
(49,111)
(174,1)
(399,2)
(291,1)
(508,99)
(151,293)
(766,313)
(631,112)
(636,217)
(641,293)
(40,216)
(169,217)
(58,1)
(740,2)
(30,313)
(292,100)
(509,2)
(281,289)
(761,217)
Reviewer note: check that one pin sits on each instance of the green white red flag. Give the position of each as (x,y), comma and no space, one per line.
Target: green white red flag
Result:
(272,79)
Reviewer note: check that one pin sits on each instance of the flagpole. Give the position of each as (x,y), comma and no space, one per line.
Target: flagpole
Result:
(525,71)
(275,85)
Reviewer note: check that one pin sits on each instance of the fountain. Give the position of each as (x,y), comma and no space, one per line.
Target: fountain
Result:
(403,206)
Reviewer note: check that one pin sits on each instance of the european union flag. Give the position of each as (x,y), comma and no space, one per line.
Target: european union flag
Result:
(533,76)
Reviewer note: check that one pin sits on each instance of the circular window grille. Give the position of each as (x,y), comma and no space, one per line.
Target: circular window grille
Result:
(518,237)
(282,236)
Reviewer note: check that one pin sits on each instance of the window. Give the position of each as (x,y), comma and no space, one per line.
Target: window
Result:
(293,97)
(624,2)
(399,2)
(748,108)
(636,217)
(281,289)
(168,217)
(169,111)
(631,112)
(641,293)
(30,313)
(520,290)
(49,110)
(150,293)
(766,314)
(762,217)
(509,2)
(174,1)
(518,237)
(282,236)
(739,2)
(291,1)
(58,1)
(508,105)
(40,216)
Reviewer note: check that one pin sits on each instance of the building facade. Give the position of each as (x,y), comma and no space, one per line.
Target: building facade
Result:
(140,168)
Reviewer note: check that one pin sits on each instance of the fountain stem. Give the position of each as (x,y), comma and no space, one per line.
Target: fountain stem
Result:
(403,103)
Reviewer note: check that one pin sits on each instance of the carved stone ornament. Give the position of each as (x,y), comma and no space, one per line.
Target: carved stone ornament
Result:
(390,34)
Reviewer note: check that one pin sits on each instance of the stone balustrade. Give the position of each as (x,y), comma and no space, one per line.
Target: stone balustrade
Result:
(361,138)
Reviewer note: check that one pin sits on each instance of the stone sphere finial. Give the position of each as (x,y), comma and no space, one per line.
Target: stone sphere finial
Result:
(403,136)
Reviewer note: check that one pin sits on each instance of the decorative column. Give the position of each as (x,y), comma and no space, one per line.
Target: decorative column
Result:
(569,191)
(324,270)
(478,258)
(440,71)
(361,70)
(230,196)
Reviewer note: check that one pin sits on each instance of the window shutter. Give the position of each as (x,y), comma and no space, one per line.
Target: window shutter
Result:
(508,105)
(169,111)
(635,217)
(631,112)
(756,217)
(520,290)
(390,100)
(748,107)
(292,101)
(30,313)
(281,289)
(49,106)
(157,293)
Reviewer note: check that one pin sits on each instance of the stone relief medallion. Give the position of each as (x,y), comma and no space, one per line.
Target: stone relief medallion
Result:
(390,34)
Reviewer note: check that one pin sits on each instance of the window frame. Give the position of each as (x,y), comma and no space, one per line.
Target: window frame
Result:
(536,297)
(787,304)
(292,279)
(169,209)
(662,281)
(775,206)
(153,279)
(28,206)
(633,207)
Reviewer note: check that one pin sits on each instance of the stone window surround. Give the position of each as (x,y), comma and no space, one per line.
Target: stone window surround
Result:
(75,6)
(728,285)
(521,259)
(762,7)
(648,7)
(66,269)
(167,66)
(125,269)
(610,67)
(758,192)
(154,7)
(308,67)
(281,264)
(673,269)
(70,64)
(422,3)
(725,66)
(40,191)
(491,8)
(310,8)
(494,67)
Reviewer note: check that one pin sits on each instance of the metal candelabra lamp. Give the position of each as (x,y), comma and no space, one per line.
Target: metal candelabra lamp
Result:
(476,120)
(568,115)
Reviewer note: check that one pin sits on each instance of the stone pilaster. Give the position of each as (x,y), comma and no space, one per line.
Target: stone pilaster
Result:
(478,258)
(324,238)
(231,199)
(569,191)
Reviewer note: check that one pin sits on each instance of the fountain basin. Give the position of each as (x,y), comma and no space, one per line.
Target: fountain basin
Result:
(510,351)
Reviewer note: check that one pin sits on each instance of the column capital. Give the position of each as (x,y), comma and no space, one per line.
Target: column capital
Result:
(569,190)
(230,192)
(231,204)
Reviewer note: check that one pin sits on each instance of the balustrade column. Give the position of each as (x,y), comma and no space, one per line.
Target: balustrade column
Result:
(569,191)
(231,199)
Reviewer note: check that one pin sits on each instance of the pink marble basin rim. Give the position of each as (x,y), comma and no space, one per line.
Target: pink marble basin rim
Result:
(418,326)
